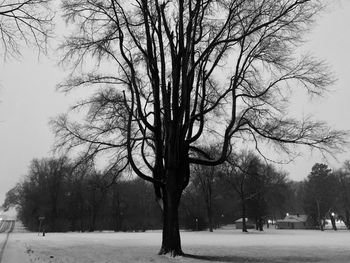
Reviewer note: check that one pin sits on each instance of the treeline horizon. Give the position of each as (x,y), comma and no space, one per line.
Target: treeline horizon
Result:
(75,197)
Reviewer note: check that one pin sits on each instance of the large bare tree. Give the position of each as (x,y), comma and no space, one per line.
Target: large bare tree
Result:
(24,21)
(173,75)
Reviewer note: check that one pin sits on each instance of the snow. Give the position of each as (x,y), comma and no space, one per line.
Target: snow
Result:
(272,245)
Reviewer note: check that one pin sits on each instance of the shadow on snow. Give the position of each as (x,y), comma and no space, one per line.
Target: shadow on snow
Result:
(242,259)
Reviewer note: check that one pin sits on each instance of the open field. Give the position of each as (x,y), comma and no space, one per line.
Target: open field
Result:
(221,246)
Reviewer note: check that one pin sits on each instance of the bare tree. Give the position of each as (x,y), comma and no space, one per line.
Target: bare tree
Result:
(204,179)
(24,21)
(236,171)
(175,74)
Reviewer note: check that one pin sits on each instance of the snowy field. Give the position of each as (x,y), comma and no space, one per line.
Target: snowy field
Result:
(221,246)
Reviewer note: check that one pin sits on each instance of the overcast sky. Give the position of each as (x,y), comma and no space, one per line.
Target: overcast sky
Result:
(28,100)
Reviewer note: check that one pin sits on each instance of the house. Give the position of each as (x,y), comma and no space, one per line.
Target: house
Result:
(239,223)
(10,214)
(338,223)
(294,222)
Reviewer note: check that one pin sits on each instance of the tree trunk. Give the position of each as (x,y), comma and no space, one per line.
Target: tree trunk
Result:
(117,211)
(244,223)
(73,224)
(261,224)
(256,223)
(82,215)
(347,219)
(171,243)
(333,223)
(176,174)
(54,215)
(319,220)
(210,215)
(117,221)
(82,229)
(93,221)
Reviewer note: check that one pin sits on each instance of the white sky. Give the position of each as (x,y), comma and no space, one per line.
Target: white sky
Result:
(29,99)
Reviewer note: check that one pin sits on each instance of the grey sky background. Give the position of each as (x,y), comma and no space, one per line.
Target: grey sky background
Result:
(29,99)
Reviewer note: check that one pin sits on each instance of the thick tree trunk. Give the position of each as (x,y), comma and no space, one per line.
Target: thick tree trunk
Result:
(176,174)
(171,243)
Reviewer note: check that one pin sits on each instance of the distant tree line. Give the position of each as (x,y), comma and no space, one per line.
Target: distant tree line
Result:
(326,194)
(244,187)
(80,198)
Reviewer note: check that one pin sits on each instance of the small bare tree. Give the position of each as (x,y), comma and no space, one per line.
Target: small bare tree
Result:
(203,178)
(24,21)
(236,173)
(173,74)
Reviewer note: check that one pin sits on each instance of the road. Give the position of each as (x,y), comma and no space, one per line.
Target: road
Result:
(6,227)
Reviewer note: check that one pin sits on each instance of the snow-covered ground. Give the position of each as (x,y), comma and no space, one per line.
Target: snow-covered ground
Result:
(271,246)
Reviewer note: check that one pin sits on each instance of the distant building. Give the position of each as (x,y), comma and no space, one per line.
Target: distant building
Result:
(294,222)
(10,214)
(338,223)
(239,223)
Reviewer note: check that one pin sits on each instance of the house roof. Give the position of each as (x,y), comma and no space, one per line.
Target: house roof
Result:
(241,220)
(294,219)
